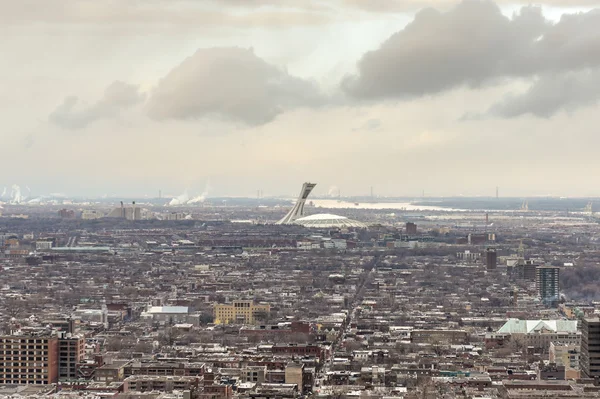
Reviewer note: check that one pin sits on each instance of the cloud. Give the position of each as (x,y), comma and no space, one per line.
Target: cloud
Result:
(472,45)
(231,84)
(71,114)
(191,14)
(551,94)
(370,125)
(386,6)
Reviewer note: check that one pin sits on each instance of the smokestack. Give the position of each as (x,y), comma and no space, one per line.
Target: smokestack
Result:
(133,210)
(122,210)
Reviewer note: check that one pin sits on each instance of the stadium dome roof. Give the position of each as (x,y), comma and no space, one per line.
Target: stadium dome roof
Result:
(326,220)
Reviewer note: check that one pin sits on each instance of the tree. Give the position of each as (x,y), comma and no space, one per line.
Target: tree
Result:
(14,307)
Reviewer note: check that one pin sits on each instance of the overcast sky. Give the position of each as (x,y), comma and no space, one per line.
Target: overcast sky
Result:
(126,97)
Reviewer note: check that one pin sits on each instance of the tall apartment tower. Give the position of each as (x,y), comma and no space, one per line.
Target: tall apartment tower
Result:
(589,358)
(411,228)
(28,359)
(491,258)
(71,350)
(547,283)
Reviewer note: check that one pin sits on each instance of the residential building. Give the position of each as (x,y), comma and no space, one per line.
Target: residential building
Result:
(547,283)
(71,351)
(163,383)
(43,245)
(112,370)
(566,355)
(167,314)
(445,337)
(28,359)
(468,256)
(590,348)
(411,228)
(90,214)
(491,258)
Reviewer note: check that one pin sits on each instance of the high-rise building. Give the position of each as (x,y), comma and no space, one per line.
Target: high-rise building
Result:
(547,283)
(411,228)
(71,350)
(28,359)
(590,348)
(491,258)
(525,270)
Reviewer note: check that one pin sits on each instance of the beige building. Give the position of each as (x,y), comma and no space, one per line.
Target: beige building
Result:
(91,214)
(294,375)
(239,312)
(566,355)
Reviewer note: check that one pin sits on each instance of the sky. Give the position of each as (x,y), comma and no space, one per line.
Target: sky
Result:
(129,97)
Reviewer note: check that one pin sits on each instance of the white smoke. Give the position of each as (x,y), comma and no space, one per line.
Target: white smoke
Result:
(180,200)
(15,194)
(202,197)
(3,193)
(334,191)
(184,199)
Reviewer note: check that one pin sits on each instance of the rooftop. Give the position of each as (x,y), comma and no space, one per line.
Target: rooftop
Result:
(514,326)
(324,220)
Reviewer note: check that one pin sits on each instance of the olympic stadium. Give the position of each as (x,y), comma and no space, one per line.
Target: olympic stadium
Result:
(319,220)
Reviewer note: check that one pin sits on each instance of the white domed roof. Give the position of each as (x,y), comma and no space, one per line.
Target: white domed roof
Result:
(326,220)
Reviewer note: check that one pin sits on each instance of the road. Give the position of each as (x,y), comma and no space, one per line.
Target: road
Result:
(353,307)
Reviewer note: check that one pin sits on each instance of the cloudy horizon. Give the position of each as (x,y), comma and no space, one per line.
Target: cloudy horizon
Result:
(450,97)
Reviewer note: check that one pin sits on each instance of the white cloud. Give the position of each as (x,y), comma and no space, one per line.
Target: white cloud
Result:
(118,96)
(232,84)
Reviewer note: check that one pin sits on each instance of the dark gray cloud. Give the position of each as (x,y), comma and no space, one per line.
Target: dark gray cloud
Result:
(471,45)
(232,84)
(552,93)
(72,114)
